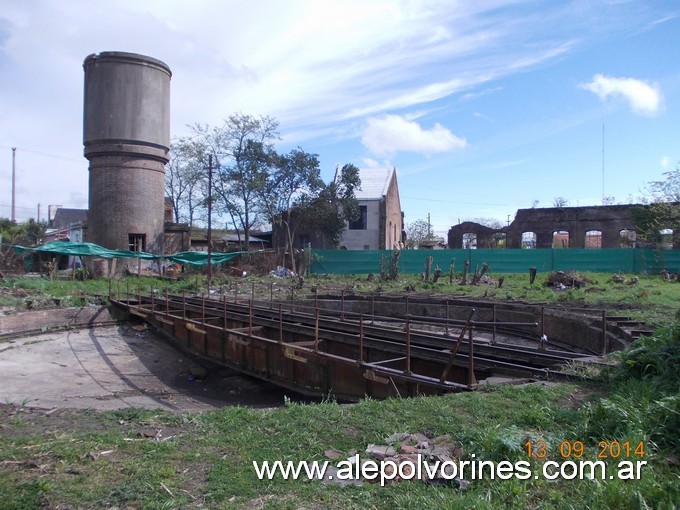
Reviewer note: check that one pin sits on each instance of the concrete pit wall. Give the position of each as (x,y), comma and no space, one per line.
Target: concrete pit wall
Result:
(578,331)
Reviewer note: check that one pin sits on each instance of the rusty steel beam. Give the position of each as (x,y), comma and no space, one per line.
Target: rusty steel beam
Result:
(264,328)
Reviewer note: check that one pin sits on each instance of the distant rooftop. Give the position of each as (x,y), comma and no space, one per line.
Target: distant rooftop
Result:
(374,182)
(65,217)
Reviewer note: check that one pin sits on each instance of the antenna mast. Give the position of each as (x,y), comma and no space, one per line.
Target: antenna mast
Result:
(603,161)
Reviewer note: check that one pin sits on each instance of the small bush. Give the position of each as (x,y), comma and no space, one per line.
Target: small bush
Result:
(644,404)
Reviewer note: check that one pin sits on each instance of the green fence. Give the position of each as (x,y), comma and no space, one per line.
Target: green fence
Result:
(625,260)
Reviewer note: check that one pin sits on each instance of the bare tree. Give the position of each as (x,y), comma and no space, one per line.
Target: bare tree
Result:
(238,147)
(184,178)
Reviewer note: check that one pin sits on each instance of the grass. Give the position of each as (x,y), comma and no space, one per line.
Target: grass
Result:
(651,299)
(208,458)
(87,459)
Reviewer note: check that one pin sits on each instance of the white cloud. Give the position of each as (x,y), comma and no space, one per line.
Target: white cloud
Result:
(643,97)
(390,134)
(665,162)
(321,67)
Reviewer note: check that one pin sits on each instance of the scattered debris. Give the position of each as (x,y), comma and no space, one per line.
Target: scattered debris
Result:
(150,433)
(404,457)
(380,452)
(561,280)
(282,272)
(618,278)
(238,272)
(333,454)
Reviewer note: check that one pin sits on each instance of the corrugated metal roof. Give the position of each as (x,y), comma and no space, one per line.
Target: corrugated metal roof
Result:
(65,217)
(374,182)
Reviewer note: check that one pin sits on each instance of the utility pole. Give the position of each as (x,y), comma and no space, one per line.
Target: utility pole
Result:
(210,169)
(603,161)
(14,178)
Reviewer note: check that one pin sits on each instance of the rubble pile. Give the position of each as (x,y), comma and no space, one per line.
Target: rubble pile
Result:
(401,453)
(561,280)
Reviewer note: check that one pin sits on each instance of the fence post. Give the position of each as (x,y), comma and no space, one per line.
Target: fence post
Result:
(471,358)
(342,309)
(408,346)
(605,338)
(316,330)
(552,259)
(361,338)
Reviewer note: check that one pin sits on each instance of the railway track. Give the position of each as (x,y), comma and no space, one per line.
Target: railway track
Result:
(400,352)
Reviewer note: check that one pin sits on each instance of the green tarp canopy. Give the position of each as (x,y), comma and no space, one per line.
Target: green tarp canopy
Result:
(85,250)
(188,258)
(200,258)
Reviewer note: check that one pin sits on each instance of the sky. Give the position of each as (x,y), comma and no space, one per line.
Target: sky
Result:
(482,107)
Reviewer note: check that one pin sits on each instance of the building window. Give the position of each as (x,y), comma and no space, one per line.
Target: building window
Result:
(137,242)
(469,241)
(593,239)
(560,239)
(627,238)
(361,222)
(528,240)
(666,238)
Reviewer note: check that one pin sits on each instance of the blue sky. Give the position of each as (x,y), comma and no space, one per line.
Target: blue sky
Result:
(483,107)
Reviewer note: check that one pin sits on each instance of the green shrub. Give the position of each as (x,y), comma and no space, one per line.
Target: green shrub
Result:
(644,403)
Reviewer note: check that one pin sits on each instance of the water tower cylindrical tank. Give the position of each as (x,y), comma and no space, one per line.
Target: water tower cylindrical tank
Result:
(126,134)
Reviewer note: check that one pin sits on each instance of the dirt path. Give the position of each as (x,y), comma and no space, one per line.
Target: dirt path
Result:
(118,366)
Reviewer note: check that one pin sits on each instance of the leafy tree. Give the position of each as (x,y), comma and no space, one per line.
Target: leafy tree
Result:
(252,184)
(667,190)
(294,180)
(560,202)
(327,214)
(661,209)
(417,232)
(30,233)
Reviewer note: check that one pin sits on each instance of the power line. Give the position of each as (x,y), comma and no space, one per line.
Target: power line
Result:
(17,207)
(455,202)
(22,149)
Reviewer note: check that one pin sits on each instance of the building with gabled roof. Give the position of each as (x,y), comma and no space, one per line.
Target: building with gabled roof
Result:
(381,224)
(65,217)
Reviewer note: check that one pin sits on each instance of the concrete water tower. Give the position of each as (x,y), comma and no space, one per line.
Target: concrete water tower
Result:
(126,135)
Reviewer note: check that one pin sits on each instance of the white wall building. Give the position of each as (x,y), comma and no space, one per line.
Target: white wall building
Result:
(380,226)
